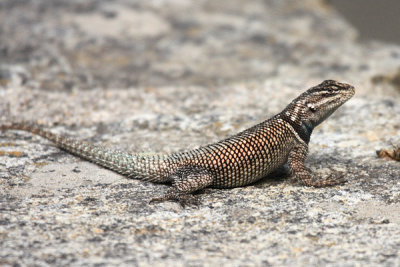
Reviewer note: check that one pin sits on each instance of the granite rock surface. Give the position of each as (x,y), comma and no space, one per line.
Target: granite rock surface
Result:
(164,76)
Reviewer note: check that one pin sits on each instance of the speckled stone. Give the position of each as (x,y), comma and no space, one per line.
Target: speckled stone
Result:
(163,76)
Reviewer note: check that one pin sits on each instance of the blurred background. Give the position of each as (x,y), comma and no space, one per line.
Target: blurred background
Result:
(62,45)
(375,20)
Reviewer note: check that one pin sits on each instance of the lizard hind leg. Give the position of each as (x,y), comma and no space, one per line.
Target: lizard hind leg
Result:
(186,180)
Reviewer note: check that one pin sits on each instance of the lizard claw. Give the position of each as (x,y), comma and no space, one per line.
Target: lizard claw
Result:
(331,180)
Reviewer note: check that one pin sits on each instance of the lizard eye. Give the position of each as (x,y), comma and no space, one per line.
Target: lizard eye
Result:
(311,107)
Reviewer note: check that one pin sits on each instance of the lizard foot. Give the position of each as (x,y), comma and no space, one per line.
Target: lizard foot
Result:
(331,180)
(181,198)
(186,180)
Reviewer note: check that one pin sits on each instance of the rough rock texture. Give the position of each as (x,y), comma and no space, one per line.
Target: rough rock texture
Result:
(172,75)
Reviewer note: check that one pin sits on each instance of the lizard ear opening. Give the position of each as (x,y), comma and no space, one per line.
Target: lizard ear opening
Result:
(311,107)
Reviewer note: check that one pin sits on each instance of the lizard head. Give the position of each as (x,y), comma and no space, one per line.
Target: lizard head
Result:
(318,103)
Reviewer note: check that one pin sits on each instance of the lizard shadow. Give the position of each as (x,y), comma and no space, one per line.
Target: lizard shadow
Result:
(276,177)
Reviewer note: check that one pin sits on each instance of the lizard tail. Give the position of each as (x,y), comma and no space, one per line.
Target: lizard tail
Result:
(134,166)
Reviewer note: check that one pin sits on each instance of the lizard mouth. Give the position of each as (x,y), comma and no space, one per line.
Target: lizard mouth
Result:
(350,90)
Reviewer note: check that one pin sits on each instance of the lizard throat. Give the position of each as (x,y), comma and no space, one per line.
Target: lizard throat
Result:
(304,130)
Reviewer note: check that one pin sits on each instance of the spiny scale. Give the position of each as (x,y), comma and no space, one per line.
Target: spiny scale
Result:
(236,161)
(245,157)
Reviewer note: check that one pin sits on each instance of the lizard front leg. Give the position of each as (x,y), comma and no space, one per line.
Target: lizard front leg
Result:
(186,180)
(296,161)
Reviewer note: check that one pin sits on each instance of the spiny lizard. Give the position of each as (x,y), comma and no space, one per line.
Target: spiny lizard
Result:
(235,161)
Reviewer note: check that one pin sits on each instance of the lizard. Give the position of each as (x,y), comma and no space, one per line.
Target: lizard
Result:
(236,161)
